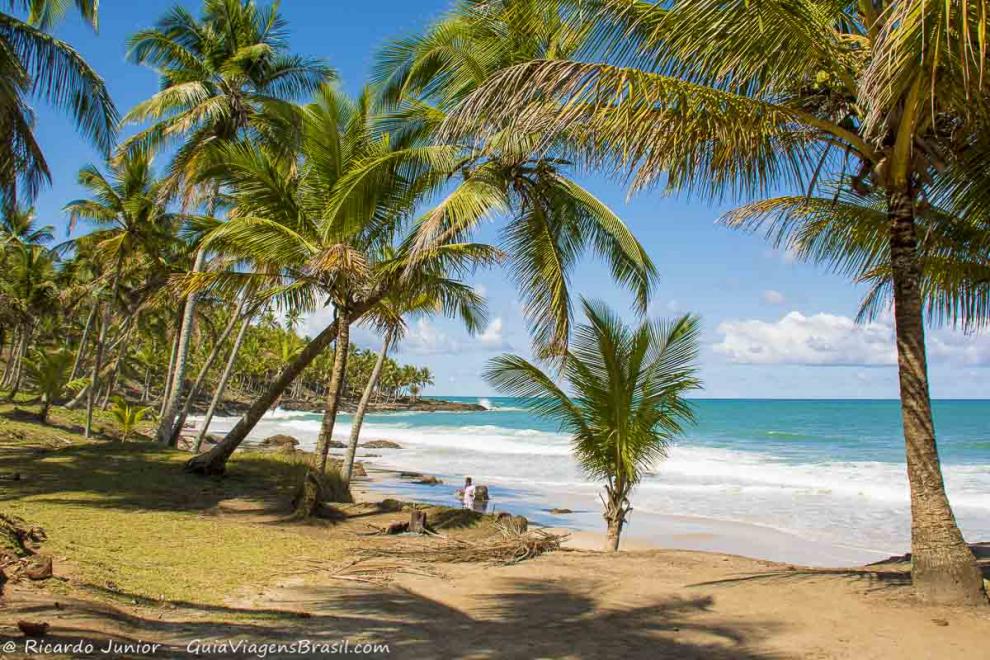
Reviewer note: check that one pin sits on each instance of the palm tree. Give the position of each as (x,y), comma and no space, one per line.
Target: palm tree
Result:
(128,416)
(325,236)
(49,372)
(223,75)
(740,98)
(30,295)
(628,401)
(20,225)
(847,233)
(388,315)
(128,207)
(36,64)
(550,219)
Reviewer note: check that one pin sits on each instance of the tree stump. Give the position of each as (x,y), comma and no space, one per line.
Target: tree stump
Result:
(417,521)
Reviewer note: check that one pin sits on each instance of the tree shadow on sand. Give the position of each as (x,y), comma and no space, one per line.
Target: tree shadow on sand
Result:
(526,619)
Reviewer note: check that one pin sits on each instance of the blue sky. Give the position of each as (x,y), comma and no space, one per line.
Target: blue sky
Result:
(772,327)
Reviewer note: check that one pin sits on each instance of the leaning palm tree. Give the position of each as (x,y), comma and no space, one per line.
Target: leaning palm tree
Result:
(740,98)
(628,403)
(315,233)
(36,64)
(225,76)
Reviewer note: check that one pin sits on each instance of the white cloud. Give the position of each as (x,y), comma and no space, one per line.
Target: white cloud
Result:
(821,339)
(772,297)
(492,337)
(832,340)
(424,338)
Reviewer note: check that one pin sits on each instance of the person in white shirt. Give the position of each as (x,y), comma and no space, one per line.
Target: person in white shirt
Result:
(469,491)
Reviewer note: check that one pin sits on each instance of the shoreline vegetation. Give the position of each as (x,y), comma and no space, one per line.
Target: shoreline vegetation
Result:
(248,570)
(249,195)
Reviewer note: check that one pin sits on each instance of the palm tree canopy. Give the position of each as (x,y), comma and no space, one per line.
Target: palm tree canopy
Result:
(224,73)
(848,233)
(551,219)
(35,64)
(628,386)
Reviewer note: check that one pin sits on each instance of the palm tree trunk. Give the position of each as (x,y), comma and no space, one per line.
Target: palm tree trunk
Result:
(943,567)
(616,510)
(121,354)
(215,461)
(222,385)
(204,370)
(171,363)
(15,385)
(334,389)
(362,408)
(82,341)
(164,433)
(8,368)
(100,341)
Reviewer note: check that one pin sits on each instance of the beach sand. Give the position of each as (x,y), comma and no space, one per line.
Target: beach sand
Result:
(578,602)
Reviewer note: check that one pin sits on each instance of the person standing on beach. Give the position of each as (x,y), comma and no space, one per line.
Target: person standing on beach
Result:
(469,491)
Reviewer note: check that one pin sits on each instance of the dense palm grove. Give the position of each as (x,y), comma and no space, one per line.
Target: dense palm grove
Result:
(250,190)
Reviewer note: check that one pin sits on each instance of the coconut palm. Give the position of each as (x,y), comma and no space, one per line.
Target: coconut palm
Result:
(49,373)
(318,234)
(847,233)
(224,74)
(550,220)
(628,403)
(389,316)
(128,416)
(30,295)
(128,208)
(36,64)
(740,98)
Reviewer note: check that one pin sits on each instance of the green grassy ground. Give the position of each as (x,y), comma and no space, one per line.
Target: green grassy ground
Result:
(124,521)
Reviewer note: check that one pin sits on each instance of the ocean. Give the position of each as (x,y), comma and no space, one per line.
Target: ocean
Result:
(816,482)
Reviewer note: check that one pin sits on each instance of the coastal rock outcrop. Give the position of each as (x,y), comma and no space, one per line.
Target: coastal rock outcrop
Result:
(381,444)
(280,440)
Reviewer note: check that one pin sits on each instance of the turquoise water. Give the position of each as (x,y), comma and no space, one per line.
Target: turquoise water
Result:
(829,473)
(798,430)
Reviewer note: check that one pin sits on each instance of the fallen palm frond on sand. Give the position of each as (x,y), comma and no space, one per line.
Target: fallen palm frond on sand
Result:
(507,547)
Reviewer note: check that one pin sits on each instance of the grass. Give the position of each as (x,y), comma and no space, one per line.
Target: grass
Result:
(127,522)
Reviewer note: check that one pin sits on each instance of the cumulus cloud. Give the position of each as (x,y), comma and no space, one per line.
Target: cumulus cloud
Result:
(772,297)
(492,337)
(426,339)
(833,340)
(820,339)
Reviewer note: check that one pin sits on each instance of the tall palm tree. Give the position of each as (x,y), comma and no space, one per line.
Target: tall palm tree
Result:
(225,74)
(628,387)
(739,99)
(34,64)
(128,209)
